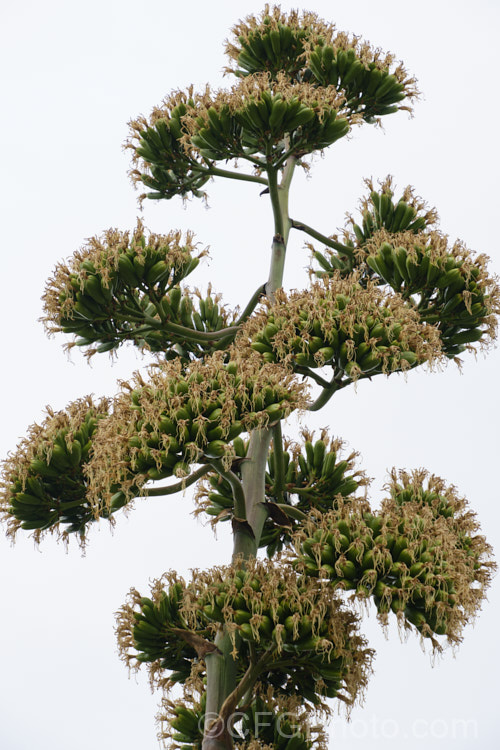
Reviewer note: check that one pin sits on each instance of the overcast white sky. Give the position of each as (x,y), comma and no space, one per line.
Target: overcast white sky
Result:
(74,73)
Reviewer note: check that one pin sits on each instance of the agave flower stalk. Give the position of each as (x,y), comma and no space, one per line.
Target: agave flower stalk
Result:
(387,293)
(221,672)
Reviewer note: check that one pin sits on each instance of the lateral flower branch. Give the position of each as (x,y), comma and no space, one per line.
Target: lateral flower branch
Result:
(387,293)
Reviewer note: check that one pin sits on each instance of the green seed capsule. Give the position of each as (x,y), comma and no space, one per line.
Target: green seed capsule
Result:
(347,569)
(215,449)
(246,632)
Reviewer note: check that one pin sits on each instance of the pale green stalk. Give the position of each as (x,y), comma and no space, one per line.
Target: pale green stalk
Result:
(221,682)
(221,675)
(253,470)
(328,241)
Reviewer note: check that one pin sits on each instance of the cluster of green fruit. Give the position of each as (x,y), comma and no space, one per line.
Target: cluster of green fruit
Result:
(360,332)
(201,427)
(278,730)
(274,46)
(45,486)
(155,632)
(312,641)
(126,289)
(180,309)
(185,415)
(218,134)
(306,642)
(418,557)
(164,164)
(370,90)
(311,677)
(316,475)
(308,50)
(194,431)
(426,490)
(395,245)
(259,720)
(185,724)
(452,292)
(263,119)
(295,75)
(380,213)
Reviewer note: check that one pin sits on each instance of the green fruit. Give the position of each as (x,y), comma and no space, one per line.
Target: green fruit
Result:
(246,632)
(215,449)
(348,569)
(415,616)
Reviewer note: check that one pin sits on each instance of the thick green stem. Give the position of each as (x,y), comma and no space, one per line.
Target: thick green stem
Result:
(253,470)
(244,544)
(274,194)
(279,201)
(247,530)
(279,464)
(253,473)
(221,682)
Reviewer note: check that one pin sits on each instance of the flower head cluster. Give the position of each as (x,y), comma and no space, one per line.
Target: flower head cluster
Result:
(44,486)
(187,415)
(358,328)
(306,48)
(105,267)
(420,556)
